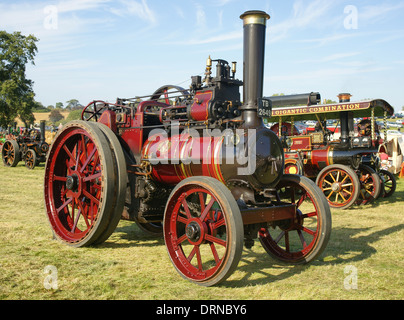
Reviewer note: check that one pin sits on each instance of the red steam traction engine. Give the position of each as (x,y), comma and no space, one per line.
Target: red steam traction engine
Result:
(198,166)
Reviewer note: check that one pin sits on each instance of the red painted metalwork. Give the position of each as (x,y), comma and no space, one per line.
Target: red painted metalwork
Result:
(199,109)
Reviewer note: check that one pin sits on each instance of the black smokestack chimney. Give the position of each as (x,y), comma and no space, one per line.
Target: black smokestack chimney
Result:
(253,68)
(346,119)
(42,128)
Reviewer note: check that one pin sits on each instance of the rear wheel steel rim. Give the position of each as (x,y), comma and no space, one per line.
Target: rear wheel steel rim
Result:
(8,153)
(75,192)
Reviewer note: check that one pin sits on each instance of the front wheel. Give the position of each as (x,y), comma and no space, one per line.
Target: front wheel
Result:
(340,185)
(371,185)
(389,183)
(304,238)
(30,159)
(203,230)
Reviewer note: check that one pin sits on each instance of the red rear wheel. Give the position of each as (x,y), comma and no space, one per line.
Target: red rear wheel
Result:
(203,230)
(79,184)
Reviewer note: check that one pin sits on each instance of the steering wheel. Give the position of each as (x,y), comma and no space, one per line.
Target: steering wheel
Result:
(93,110)
(164,90)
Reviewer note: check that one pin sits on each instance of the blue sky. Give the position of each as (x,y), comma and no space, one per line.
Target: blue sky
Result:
(102,49)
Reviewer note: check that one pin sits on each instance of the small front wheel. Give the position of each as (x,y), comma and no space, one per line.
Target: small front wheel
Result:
(389,183)
(371,185)
(304,238)
(340,185)
(30,159)
(203,230)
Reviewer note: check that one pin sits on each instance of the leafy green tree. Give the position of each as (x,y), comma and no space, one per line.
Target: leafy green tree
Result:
(16,93)
(59,105)
(55,116)
(73,104)
(74,115)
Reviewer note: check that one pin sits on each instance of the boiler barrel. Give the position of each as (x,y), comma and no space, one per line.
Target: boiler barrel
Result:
(337,154)
(253,156)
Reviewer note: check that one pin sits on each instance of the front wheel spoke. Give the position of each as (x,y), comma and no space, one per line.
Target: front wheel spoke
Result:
(207,208)
(186,208)
(182,219)
(347,191)
(302,198)
(198,257)
(279,237)
(219,223)
(369,191)
(214,252)
(310,214)
(347,185)
(201,201)
(326,181)
(346,177)
(287,246)
(302,240)
(309,231)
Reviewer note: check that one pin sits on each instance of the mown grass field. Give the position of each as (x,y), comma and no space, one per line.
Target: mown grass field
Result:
(368,240)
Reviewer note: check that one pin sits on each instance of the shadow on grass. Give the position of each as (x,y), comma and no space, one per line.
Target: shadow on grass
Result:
(344,247)
(131,235)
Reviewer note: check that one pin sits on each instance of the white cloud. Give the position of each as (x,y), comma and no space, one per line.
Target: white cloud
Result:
(339,56)
(376,12)
(135,8)
(79,5)
(200,17)
(326,73)
(304,15)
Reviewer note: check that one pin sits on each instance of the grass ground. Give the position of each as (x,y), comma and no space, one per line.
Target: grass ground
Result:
(366,241)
